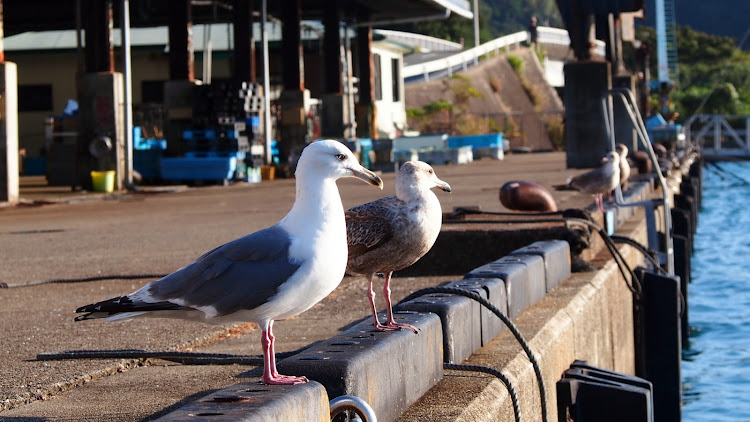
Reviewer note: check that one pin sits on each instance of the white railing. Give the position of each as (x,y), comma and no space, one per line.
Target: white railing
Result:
(720,134)
(425,42)
(464,58)
(445,66)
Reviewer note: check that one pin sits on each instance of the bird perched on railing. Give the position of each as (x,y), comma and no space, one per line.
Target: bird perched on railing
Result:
(274,273)
(392,233)
(598,181)
(622,150)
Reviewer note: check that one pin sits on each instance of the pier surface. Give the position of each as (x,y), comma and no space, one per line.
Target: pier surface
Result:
(58,234)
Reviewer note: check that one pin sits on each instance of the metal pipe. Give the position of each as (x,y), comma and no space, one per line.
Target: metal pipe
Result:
(352,404)
(128,94)
(476,29)
(629,101)
(349,84)
(266,81)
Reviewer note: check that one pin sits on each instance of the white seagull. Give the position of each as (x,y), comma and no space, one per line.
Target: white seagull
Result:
(392,233)
(598,181)
(275,273)
(622,150)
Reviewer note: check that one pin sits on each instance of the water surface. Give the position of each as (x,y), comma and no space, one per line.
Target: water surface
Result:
(716,365)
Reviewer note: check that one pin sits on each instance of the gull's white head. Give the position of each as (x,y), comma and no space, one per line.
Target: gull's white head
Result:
(622,150)
(332,159)
(417,176)
(611,157)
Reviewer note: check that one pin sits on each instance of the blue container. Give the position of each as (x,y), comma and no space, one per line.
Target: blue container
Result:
(365,146)
(203,168)
(34,166)
(476,141)
(199,134)
(214,154)
(147,162)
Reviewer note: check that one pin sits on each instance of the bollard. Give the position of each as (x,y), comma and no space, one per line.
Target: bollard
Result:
(522,289)
(460,320)
(389,370)
(556,256)
(252,402)
(494,289)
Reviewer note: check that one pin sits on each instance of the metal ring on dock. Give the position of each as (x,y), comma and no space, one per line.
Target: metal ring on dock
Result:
(353,404)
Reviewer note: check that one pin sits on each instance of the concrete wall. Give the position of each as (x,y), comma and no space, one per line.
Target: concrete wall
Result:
(587,317)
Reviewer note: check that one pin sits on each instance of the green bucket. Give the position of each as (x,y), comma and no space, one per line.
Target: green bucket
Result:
(103,181)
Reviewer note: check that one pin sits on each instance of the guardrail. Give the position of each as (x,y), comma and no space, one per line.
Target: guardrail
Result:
(418,40)
(461,61)
(720,134)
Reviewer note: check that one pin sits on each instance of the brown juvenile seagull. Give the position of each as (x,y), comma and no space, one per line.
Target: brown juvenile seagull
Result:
(392,233)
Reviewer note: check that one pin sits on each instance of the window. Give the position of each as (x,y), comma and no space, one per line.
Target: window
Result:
(376,77)
(395,80)
(35,97)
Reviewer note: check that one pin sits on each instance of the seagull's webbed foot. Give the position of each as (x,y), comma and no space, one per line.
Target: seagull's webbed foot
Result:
(279,379)
(395,326)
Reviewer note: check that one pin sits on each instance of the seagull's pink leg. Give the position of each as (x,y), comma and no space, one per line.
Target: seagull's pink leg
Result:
(390,324)
(600,203)
(371,296)
(270,375)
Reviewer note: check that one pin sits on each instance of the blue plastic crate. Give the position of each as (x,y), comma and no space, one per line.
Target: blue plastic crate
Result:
(476,141)
(198,168)
(147,162)
(34,165)
(216,154)
(198,134)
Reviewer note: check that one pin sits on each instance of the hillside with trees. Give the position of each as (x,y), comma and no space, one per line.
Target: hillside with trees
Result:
(714,73)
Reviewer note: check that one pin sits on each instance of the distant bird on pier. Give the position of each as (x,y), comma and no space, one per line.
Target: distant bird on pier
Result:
(274,273)
(392,233)
(598,181)
(622,150)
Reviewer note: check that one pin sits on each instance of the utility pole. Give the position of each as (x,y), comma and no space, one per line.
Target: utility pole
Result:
(476,28)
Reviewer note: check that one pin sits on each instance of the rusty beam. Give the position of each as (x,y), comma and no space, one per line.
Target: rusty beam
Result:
(332,49)
(98,28)
(180,41)
(244,44)
(293,68)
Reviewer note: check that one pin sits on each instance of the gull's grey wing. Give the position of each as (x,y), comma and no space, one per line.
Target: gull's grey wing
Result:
(594,181)
(241,274)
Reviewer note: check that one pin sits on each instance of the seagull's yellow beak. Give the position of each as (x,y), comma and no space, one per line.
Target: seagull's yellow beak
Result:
(442,185)
(367,176)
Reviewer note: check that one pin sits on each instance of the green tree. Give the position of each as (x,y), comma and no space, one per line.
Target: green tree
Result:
(714,75)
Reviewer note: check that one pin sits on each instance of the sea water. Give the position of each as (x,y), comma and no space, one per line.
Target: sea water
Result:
(716,365)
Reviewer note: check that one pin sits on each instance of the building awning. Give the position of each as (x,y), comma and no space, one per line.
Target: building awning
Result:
(21,16)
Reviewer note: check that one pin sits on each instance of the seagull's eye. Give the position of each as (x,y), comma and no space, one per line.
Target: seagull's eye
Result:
(341,157)
(431,171)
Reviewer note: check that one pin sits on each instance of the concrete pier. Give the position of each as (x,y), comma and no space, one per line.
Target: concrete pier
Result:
(588,315)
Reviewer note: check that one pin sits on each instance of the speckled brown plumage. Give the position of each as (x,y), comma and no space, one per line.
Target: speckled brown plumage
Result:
(392,233)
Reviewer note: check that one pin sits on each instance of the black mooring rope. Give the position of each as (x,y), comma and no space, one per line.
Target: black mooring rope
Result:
(477,368)
(512,327)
